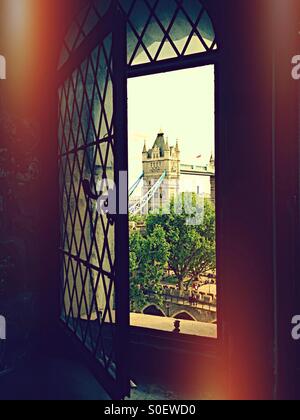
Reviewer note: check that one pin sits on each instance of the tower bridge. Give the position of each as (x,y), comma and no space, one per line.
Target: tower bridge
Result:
(196,170)
(161,176)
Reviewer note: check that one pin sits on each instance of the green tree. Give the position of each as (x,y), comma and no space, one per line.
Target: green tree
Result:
(137,218)
(148,259)
(192,247)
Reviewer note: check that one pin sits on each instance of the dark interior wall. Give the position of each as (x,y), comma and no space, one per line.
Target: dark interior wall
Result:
(286,108)
(246,199)
(30,39)
(259,197)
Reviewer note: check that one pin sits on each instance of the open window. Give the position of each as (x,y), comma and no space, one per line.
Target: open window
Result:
(94,294)
(172,217)
(172,52)
(114,49)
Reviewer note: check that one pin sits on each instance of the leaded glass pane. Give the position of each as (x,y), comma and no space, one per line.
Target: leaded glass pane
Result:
(86,162)
(164,29)
(157,29)
(83,24)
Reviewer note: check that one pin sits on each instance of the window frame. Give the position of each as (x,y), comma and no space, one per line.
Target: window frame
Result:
(120,387)
(139,335)
(163,338)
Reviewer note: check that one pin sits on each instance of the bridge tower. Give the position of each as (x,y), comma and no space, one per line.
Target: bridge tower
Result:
(161,158)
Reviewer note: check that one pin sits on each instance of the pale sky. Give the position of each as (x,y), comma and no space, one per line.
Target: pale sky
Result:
(182,104)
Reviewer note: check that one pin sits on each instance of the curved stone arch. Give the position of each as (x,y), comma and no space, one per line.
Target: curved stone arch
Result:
(189,316)
(159,311)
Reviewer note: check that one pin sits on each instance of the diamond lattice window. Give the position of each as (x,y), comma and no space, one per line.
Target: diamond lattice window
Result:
(164,29)
(157,29)
(86,158)
(82,25)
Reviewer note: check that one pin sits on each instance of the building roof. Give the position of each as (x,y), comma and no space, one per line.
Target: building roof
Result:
(161,143)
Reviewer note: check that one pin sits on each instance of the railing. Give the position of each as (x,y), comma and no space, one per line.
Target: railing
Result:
(185,300)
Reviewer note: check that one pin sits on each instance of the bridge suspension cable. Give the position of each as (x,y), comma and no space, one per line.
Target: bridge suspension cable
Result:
(135,185)
(141,204)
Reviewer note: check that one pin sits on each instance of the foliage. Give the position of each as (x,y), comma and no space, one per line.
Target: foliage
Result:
(148,259)
(137,218)
(192,248)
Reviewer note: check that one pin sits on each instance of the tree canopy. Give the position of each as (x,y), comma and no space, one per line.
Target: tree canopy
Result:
(148,259)
(175,243)
(192,247)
